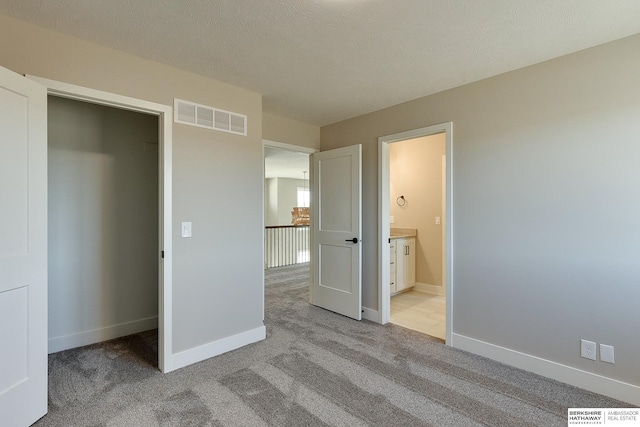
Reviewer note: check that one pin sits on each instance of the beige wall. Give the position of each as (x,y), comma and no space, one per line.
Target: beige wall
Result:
(281,129)
(546,206)
(415,171)
(217,177)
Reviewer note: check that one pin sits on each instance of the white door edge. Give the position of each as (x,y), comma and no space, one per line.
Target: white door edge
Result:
(24,252)
(384,306)
(165,144)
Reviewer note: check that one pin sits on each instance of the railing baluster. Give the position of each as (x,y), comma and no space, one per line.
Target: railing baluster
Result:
(286,245)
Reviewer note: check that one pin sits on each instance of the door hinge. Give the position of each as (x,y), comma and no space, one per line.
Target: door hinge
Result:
(162,254)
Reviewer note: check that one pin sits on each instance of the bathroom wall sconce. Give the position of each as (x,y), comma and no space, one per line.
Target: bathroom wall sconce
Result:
(401,201)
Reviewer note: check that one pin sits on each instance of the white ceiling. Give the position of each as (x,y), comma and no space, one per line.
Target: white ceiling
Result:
(279,163)
(322,61)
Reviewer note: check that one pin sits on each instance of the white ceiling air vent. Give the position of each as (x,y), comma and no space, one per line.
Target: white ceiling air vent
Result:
(190,113)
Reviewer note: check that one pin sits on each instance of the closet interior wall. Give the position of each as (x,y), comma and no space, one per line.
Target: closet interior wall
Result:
(103,222)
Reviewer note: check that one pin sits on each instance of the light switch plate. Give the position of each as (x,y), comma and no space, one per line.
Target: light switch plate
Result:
(391,220)
(186,229)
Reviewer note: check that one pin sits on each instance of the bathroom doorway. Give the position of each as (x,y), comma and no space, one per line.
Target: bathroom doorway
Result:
(415,221)
(414,250)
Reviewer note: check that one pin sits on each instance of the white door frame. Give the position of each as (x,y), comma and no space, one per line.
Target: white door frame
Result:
(384,309)
(165,117)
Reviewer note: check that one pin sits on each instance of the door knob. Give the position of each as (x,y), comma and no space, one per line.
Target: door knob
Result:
(354,240)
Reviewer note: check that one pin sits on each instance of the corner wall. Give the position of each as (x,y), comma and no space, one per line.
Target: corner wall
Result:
(546,211)
(281,129)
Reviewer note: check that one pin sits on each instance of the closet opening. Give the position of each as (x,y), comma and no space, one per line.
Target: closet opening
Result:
(104,224)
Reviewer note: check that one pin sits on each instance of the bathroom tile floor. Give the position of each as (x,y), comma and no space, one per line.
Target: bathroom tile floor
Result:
(420,312)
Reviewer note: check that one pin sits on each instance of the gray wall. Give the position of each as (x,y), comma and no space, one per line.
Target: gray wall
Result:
(546,201)
(103,217)
(281,196)
(217,177)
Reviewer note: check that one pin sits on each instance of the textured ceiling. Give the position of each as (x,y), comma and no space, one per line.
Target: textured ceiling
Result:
(322,61)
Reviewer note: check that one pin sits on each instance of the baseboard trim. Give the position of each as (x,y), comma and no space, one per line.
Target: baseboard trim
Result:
(596,383)
(430,289)
(215,348)
(93,336)
(370,314)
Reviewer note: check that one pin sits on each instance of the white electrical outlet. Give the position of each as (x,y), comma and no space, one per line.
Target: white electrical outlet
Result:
(606,353)
(588,349)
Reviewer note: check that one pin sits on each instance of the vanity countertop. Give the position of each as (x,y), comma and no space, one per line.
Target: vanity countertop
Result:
(401,233)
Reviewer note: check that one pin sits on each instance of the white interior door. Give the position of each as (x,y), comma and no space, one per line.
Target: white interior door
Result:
(23,250)
(336,234)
